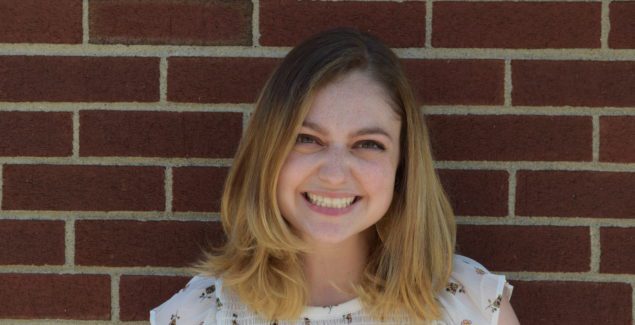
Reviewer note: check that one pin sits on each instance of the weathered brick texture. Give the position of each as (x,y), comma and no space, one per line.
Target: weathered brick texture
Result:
(34,21)
(171,22)
(457,82)
(516,25)
(31,242)
(138,294)
(36,134)
(618,255)
(573,83)
(82,188)
(159,134)
(527,248)
(511,138)
(198,188)
(575,194)
(622,15)
(217,80)
(560,302)
(286,23)
(476,192)
(55,296)
(78,79)
(617,139)
(138,243)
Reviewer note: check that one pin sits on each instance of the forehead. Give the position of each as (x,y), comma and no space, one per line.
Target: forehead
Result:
(353,100)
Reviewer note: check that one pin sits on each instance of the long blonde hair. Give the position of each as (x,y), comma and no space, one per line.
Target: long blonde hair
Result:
(260,260)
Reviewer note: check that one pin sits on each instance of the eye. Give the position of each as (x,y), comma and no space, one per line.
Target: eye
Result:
(305,139)
(370,144)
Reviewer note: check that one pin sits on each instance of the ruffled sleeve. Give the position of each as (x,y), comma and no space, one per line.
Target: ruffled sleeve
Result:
(473,295)
(194,304)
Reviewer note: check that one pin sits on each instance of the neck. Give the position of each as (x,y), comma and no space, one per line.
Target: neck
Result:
(331,270)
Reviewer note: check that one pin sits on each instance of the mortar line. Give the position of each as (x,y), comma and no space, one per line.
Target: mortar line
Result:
(508,83)
(122,106)
(175,271)
(114,297)
(75,144)
(255,23)
(595,144)
(69,241)
(511,193)
(605,26)
(570,221)
(85,23)
(596,250)
(163,80)
(428,22)
(169,183)
(119,50)
(248,107)
(118,161)
(246,116)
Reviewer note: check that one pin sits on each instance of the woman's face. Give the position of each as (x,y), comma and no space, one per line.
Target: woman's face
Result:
(338,179)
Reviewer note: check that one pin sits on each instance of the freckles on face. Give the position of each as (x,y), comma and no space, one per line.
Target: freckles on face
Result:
(339,178)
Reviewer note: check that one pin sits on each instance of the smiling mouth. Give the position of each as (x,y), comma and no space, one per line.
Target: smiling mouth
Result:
(333,203)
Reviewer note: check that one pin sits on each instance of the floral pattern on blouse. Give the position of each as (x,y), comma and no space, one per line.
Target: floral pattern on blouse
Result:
(454,287)
(472,296)
(495,304)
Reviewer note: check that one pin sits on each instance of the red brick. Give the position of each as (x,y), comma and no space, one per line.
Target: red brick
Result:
(457,82)
(618,250)
(38,134)
(78,79)
(159,134)
(622,16)
(617,138)
(83,188)
(55,296)
(287,23)
(217,80)
(556,302)
(516,25)
(476,192)
(575,194)
(527,248)
(33,21)
(573,83)
(31,242)
(139,294)
(171,22)
(137,243)
(511,137)
(198,188)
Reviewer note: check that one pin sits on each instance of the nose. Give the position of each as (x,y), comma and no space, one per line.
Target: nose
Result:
(334,169)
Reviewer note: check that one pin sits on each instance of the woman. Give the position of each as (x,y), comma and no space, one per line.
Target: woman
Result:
(332,209)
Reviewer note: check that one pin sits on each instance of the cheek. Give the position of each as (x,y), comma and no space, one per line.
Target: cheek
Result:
(378,176)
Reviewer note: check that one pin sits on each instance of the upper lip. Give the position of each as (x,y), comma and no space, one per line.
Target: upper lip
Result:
(333,195)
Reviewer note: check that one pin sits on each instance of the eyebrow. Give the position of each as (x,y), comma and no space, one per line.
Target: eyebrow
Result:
(362,131)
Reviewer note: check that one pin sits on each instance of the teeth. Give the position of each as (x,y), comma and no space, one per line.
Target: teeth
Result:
(326,202)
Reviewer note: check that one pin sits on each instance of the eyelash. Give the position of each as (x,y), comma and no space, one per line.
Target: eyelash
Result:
(365,144)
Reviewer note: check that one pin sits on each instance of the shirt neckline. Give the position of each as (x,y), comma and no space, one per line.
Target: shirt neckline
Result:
(332,312)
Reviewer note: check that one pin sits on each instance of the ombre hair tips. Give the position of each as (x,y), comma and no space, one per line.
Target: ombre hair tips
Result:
(261,259)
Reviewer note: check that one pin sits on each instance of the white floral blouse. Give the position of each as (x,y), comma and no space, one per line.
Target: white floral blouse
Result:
(472,297)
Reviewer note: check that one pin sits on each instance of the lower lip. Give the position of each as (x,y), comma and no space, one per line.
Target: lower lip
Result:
(330,211)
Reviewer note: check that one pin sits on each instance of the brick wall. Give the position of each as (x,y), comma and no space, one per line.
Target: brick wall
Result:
(119,119)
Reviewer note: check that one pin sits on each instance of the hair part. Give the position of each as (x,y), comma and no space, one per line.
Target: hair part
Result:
(261,261)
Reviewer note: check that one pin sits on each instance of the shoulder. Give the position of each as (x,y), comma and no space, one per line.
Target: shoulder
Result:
(191,305)
(473,295)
